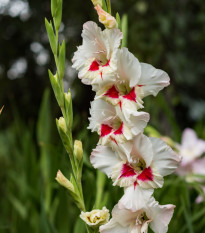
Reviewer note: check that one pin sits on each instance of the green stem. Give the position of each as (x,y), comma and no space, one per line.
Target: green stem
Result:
(109,7)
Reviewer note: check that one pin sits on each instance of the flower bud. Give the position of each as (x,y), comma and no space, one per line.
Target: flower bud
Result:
(62,180)
(68,97)
(78,150)
(62,124)
(95,218)
(108,20)
(69,108)
(97,2)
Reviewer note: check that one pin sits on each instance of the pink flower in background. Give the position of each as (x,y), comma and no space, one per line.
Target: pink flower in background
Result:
(126,221)
(191,147)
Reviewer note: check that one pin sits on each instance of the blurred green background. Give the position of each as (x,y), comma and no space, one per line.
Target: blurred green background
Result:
(168,34)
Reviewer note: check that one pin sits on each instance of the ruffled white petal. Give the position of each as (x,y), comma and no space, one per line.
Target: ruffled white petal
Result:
(105,159)
(137,121)
(152,79)
(142,148)
(113,227)
(135,198)
(128,67)
(93,43)
(113,38)
(165,159)
(161,216)
(101,112)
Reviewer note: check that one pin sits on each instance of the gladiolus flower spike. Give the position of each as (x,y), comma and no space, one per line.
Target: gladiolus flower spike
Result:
(133,161)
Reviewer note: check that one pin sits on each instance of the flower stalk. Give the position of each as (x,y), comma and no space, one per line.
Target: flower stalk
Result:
(64,100)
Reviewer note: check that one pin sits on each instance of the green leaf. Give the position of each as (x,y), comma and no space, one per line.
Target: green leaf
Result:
(79,226)
(53,7)
(58,16)
(109,7)
(187,216)
(104,5)
(118,21)
(44,119)
(101,178)
(124,30)
(18,206)
(62,60)
(56,89)
(65,139)
(51,36)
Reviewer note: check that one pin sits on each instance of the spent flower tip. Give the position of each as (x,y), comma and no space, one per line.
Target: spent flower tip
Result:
(62,180)
(95,218)
(78,150)
(97,2)
(1,110)
(105,18)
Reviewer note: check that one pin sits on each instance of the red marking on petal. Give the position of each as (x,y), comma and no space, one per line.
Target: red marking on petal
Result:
(140,85)
(107,64)
(135,184)
(113,140)
(127,171)
(94,66)
(120,130)
(120,103)
(105,130)
(131,95)
(101,75)
(112,92)
(146,175)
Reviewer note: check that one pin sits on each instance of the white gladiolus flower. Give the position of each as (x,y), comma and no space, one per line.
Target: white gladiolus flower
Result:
(141,172)
(96,58)
(112,127)
(126,221)
(134,81)
(95,218)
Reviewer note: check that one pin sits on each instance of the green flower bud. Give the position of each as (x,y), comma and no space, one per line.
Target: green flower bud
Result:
(78,150)
(62,124)
(62,180)
(69,108)
(67,141)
